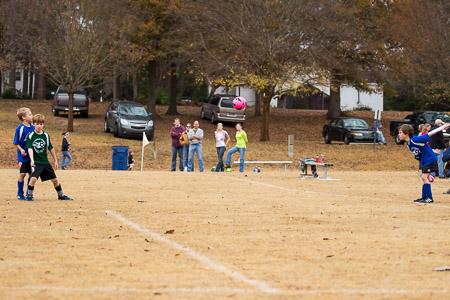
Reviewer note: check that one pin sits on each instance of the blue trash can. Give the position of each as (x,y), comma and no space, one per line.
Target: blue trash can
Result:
(119,158)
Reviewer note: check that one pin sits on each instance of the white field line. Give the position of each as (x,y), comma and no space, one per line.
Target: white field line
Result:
(330,194)
(221,291)
(262,286)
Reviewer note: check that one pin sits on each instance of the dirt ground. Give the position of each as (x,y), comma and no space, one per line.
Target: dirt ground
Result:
(268,235)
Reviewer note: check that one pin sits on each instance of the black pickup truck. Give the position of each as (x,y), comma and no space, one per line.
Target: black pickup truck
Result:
(417,118)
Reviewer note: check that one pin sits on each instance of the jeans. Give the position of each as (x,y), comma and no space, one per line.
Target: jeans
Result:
(440,163)
(186,156)
(195,148)
(65,154)
(241,160)
(380,137)
(174,158)
(220,152)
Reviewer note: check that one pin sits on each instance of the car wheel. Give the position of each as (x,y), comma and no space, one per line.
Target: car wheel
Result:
(85,114)
(202,115)
(106,128)
(327,139)
(54,111)
(346,140)
(398,141)
(116,131)
(213,118)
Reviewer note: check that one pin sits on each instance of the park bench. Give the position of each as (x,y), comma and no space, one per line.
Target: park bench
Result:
(260,162)
(305,162)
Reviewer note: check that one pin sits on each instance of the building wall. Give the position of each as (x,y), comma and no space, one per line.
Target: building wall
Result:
(19,80)
(352,99)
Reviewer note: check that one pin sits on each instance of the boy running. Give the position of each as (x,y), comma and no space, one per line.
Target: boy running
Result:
(25,116)
(38,141)
(424,154)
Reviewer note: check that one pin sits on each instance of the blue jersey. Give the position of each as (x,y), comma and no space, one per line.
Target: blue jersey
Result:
(20,139)
(421,150)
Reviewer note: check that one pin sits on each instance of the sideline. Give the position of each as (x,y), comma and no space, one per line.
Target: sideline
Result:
(262,286)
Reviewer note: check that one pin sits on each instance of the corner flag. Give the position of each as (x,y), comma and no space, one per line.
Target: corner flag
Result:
(145,142)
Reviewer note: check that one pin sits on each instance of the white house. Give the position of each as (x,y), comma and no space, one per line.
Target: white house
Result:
(19,80)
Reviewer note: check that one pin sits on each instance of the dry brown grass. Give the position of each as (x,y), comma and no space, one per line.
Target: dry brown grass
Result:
(91,148)
(361,237)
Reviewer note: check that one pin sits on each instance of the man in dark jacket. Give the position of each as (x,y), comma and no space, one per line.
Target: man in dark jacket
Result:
(438,145)
(175,133)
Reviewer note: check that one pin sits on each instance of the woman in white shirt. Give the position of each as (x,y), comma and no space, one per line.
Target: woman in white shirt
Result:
(222,140)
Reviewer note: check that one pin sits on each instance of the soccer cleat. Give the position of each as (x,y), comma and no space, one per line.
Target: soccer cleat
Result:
(21,197)
(64,197)
(228,170)
(430,178)
(426,200)
(418,200)
(29,198)
(446,192)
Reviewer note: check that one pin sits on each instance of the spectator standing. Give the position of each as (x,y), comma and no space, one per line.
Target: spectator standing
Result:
(221,145)
(241,145)
(130,164)
(177,148)
(195,139)
(377,128)
(186,150)
(425,128)
(438,145)
(65,151)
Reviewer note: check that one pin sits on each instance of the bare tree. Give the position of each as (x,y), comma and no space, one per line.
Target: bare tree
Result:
(266,45)
(78,40)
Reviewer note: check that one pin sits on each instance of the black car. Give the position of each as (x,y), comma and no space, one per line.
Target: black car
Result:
(128,119)
(348,130)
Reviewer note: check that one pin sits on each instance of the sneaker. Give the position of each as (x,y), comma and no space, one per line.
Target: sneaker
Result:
(430,178)
(418,200)
(21,197)
(228,170)
(29,198)
(426,200)
(446,192)
(64,197)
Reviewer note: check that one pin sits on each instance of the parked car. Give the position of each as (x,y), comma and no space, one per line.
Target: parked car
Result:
(417,118)
(128,119)
(219,108)
(348,130)
(61,102)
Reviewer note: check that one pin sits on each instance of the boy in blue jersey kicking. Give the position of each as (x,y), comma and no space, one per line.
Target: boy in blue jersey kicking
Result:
(424,154)
(25,116)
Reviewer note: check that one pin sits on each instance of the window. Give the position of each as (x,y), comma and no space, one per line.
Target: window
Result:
(18,76)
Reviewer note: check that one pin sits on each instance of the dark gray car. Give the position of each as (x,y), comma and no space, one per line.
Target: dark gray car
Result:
(128,119)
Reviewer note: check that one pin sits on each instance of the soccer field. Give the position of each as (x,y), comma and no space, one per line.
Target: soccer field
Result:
(269,235)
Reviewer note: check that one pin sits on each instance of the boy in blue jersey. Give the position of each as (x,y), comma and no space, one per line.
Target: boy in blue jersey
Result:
(25,116)
(424,154)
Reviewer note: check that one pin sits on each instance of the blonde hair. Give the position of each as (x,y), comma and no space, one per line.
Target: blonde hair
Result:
(21,112)
(40,119)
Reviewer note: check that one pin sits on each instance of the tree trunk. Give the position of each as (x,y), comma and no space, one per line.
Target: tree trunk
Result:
(70,118)
(268,94)
(151,103)
(172,110)
(116,86)
(1,81)
(25,80)
(135,86)
(257,104)
(12,78)
(334,109)
(41,84)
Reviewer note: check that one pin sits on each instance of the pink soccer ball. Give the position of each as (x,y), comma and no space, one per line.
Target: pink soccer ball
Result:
(239,103)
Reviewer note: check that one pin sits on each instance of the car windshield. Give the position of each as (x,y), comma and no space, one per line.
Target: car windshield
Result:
(81,92)
(126,110)
(443,116)
(227,102)
(355,123)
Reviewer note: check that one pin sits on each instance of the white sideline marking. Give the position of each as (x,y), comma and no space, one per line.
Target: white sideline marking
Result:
(223,290)
(334,195)
(262,286)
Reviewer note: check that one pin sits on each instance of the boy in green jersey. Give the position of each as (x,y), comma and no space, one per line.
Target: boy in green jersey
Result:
(38,141)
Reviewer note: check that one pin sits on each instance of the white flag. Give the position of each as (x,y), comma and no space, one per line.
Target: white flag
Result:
(144,140)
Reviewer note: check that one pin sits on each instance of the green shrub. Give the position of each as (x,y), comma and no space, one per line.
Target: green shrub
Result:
(162,97)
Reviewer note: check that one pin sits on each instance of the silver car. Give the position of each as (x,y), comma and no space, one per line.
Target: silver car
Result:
(219,108)
(128,119)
